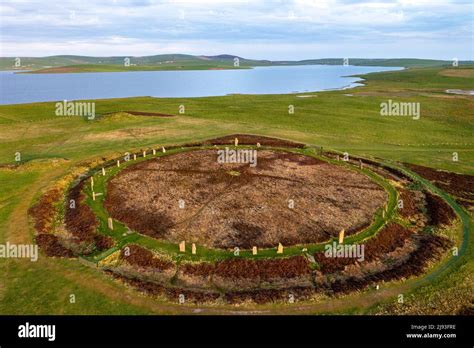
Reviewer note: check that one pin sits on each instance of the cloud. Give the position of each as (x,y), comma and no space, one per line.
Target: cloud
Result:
(140,27)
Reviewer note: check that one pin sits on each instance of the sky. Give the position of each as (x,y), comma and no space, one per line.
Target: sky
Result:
(275,30)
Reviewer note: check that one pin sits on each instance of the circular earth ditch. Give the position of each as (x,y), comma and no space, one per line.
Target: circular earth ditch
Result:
(286,198)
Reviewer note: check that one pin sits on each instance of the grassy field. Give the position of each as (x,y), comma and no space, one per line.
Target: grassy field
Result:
(346,120)
(77,64)
(63,64)
(91,68)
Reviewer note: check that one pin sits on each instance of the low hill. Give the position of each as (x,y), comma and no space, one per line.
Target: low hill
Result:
(73,63)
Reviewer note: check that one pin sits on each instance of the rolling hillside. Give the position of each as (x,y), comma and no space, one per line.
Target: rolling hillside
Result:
(70,63)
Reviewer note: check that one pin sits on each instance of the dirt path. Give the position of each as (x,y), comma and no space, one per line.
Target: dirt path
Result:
(18,229)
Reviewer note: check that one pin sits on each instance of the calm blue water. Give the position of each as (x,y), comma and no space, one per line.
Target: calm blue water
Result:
(28,88)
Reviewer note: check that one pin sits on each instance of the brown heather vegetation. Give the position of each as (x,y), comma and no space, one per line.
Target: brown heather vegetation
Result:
(459,185)
(43,212)
(391,237)
(431,247)
(467,309)
(439,212)
(80,221)
(201,269)
(244,210)
(142,257)
(191,295)
(246,139)
(102,242)
(171,293)
(51,246)
(235,269)
(410,204)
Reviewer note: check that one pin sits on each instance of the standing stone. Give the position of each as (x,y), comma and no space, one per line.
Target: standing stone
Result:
(134,157)
(144,154)
(163,149)
(154,152)
(193,249)
(110,223)
(118,163)
(341,236)
(360,164)
(182,246)
(236,141)
(103,171)
(254,250)
(258,145)
(280,249)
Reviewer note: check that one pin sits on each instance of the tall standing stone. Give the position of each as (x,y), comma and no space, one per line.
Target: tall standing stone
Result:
(110,223)
(341,236)
(280,249)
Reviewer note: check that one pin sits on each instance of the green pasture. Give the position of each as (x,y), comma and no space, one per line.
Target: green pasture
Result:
(344,120)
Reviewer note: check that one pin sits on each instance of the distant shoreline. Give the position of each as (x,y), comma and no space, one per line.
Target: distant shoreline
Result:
(180,62)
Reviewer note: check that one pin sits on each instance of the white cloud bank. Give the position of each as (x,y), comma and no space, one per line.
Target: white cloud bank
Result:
(296,29)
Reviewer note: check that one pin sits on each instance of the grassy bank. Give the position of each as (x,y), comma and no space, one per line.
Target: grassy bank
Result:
(69,63)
